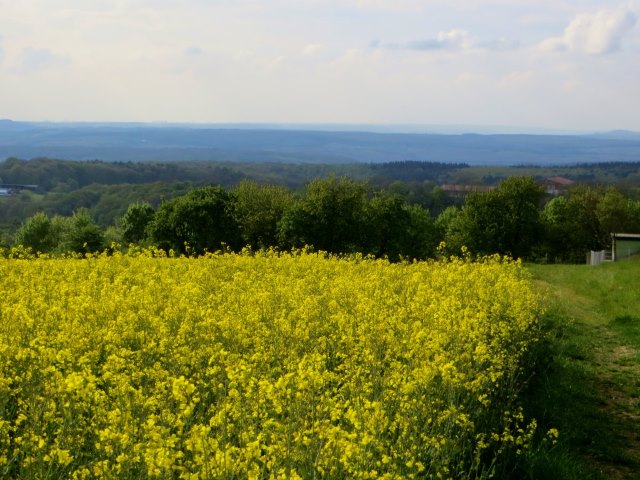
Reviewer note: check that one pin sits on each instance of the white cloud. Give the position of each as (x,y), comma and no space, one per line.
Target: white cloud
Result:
(553,44)
(307,60)
(516,80)
(313,48)
(469,78)
(594,33)
(499,44)
(39,59)
(455,39)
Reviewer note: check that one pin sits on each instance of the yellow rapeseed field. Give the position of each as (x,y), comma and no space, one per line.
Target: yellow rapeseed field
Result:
(260,365)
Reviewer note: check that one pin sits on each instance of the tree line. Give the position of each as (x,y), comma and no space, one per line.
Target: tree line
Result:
(342,215)
(106,189)
(520,220)
(53,175)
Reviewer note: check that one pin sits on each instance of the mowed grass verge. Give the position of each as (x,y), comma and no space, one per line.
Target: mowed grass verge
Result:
(588,383)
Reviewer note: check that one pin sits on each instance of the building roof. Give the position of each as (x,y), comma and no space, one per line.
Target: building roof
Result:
(18,185)
(561,181)
(626,236)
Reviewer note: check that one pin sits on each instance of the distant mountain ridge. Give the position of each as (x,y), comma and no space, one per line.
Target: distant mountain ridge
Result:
(618,135)
(248,143)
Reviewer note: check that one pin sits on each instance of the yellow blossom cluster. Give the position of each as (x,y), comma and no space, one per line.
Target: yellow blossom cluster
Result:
(261,366)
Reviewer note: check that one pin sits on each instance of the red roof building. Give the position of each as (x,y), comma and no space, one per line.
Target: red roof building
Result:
(555,185)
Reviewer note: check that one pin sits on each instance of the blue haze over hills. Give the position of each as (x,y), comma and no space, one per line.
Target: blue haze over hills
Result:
(330,144)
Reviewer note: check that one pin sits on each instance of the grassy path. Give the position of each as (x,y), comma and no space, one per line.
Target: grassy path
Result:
(589,385)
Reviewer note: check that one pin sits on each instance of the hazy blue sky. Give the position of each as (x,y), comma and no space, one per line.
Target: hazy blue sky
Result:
(565,64)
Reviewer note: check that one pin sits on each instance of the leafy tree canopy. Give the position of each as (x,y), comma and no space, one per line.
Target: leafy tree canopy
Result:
(202,220)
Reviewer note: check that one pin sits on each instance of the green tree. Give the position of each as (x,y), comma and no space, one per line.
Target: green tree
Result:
(202,220)
(421,238)
(585,230)
(113,236)
(331,216)
(615,212)
(6,238)
(388,220)
(584,220)
(135,221)
(258,210)
(80,233)
(555,218)
(444,221)
(505,220)
(634,209)
(397,229)
(36,233)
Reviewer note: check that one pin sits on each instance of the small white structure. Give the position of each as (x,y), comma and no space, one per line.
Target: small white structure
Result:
(596,258)
(624,245)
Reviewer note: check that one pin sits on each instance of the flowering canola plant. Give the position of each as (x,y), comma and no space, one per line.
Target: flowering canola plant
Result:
(261,366)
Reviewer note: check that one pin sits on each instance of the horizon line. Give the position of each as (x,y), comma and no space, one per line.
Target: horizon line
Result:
(407,128)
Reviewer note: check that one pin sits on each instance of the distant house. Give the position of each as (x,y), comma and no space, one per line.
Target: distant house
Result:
(462,190)
(555,185)
(624,245)
(7,189)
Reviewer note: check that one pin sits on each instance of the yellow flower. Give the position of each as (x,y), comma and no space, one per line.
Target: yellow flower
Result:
(260,365)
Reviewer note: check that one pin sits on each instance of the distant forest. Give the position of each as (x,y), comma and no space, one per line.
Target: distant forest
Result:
(395,209)
(106,189)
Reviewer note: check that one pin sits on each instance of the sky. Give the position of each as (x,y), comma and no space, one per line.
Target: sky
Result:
(559,64)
